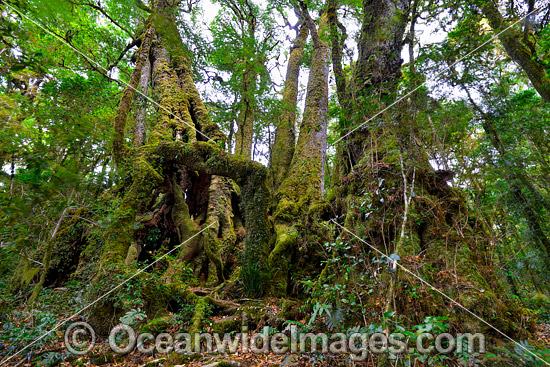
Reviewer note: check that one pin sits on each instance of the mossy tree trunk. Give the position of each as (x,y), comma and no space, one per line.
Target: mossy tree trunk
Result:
(304,183)
(373,84)
(140,128)
(285,134)
(380,162)
(180,180)
(245,119)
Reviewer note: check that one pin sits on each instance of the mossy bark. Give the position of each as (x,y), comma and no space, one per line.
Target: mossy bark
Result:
(220,237)
(245,120)
(140,129)
(175,118)
(251,176)
(372,87)
(183,156)
(370,194)
(304,184)
(285,135)
(119,147)
(118,237)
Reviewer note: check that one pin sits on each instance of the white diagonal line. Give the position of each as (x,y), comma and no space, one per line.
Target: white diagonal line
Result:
(438,75)
(440,292)
(106,294)
(102,68)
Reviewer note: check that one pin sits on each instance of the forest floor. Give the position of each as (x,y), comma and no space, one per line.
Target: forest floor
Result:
(53,351)
(22,327)
(102,356)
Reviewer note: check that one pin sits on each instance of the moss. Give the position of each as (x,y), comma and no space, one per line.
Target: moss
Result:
(106,358)
(540,299)
(24,275)
(180,214)
(254,313)
(198,316)
(225,364)
(226,325)
(174,114)
(157,325)
(176,359)
(303,185)
(118,236)
(251,176)
(132,256)
(279,258)
(283,147)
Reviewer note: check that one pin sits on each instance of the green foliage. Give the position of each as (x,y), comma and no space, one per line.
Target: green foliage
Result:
(253,280)
(133,317)
(16,335)
(51,359)
(244,40)
(521,355)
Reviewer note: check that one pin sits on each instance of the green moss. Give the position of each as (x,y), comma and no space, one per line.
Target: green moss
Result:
(25,274)
(118,236)
(196,321)
(157,325)
(119,147)
(279,258)
(227,325)
(540,299)
(132,255)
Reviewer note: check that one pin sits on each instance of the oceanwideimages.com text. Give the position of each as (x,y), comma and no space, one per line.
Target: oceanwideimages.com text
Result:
(123,339)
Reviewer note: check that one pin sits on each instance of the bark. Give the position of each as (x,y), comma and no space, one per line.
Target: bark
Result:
(343,90)
(304,184)
(141,105)
(381,41)
(175,120)
(251,176)
(518,50)
(245,120)
(373,84)
(374,203)
(174,82)
(337,41)
(175,69)
(119,147)
(306,174)
(285,135)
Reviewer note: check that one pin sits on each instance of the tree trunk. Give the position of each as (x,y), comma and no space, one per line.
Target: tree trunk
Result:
(182,181)
(119,147)
(285,135)
(245,120)
(304,184)
(379,206)
(141,105)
